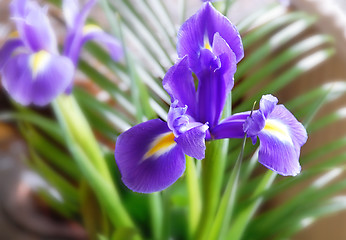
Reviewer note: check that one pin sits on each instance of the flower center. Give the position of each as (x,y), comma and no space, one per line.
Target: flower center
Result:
(162,144)
(38,61)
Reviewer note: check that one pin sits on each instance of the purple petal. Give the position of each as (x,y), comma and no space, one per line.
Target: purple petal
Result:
(75,34)
(7,50)
(237,116)
(177,120)
(296,129)
(254,124)
(179,84)
(37,78)
(281,140)
(18,8)
(278,156)
(267,104)
(193,141)
(227,60)
(201,27)
(145,166)
(112,44)
(231,127)
(70,9)
(208,62)
(33,26)
(215,83)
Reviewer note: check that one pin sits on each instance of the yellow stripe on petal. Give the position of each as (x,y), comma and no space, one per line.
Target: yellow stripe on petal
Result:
(277,129)
(207,46)
(14,34)
(162,144)
(38,62)
(89,28)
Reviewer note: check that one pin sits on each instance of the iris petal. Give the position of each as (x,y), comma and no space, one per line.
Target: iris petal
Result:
(70,9)
(204,24)
(254,125)
(30,78)
(296,130)
(73,42)
(278,156)
(179,84)
(7,50)
(177,120)
(193,141)
(113,46)
(141,170)
(231,127)
(267,104)
(280,142)
(33,26)
(227,62)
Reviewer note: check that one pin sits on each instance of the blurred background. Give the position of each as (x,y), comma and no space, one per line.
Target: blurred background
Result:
(19,218)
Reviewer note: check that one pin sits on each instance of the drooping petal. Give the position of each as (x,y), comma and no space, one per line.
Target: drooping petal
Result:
(95,33)
(193,141)
(33,26)
(278,155)
(179,84)
(231,127)
(37,78)
(296,130)
(281,136)
(7,50)
(281,140)
(148,158)
(198,33)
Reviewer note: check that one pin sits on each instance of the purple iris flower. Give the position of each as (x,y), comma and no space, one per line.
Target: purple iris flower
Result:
(281,136)
(151,155)
(79,33)
(33,71)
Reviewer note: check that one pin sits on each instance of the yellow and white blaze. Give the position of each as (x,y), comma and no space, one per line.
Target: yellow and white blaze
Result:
(207,45)
(38,62)
(89,28)
(14,34)
(162,144)
(278,130)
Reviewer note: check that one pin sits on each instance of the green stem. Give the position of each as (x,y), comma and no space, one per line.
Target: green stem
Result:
(225,211)
(156,210)
(195,204)
(213,167)
(89,159)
